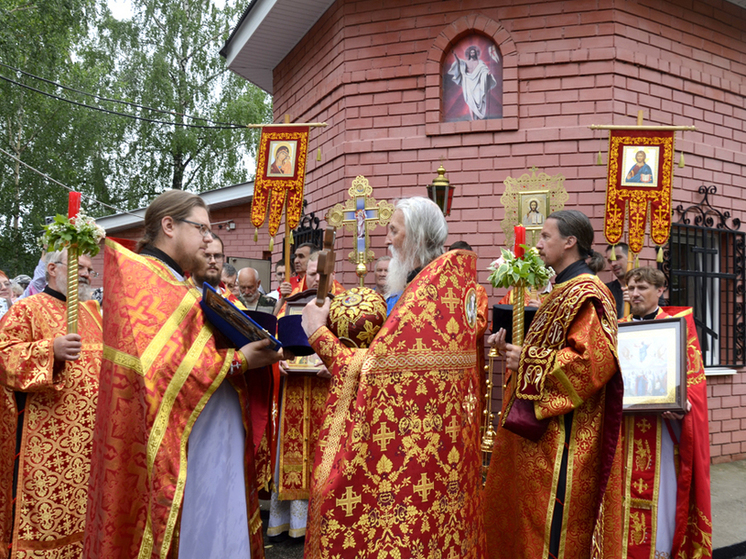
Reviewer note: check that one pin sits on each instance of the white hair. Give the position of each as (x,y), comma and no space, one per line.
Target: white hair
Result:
(253,270)
(50,257)
(425,233)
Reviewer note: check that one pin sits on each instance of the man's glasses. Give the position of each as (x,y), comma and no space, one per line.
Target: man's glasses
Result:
(215,257)
(204,230)
(91,272)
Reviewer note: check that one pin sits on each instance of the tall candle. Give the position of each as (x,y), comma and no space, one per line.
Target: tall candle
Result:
(520,239)
(73,205)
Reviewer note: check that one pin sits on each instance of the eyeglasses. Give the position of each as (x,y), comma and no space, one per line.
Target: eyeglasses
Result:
(215,257)
(91,272)
(204,230)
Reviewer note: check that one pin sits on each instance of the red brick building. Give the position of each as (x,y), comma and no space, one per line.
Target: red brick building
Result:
(377,73)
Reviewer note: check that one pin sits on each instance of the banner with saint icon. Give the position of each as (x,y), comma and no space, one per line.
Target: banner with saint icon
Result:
(640,175)
(280,175)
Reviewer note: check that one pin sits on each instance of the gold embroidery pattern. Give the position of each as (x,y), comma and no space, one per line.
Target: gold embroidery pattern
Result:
(638,530)
(57,434)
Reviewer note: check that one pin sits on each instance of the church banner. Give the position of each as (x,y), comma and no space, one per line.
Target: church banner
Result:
(280,174)
(640,174)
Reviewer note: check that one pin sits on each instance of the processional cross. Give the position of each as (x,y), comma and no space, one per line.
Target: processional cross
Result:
(361,214)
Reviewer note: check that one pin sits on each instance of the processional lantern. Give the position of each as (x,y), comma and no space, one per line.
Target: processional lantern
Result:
(440,191)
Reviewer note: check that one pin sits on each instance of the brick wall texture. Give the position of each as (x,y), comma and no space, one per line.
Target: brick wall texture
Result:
(371,70)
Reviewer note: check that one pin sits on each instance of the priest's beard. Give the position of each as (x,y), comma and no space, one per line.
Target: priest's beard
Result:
(399,269)
(85,292)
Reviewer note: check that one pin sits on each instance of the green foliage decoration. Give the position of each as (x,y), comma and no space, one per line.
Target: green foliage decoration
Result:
(81,231)
(508,271)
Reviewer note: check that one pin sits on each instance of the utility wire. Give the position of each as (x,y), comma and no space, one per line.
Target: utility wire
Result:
(199,126)
(50,179)
(128,103)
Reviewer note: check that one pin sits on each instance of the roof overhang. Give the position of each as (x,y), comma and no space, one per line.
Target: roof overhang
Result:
(234,195)
(266,33)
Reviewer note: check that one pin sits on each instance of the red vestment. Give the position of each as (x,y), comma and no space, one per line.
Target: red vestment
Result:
(398,474)
(57,432)
(642,455)
(162,362)
(568,364)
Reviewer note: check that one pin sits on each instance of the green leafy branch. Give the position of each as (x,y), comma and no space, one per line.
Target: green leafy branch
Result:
(508,271)
(81,231)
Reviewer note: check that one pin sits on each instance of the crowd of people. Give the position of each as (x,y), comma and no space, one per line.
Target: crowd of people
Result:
(148,434)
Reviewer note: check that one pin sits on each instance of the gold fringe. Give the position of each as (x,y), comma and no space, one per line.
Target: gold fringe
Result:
(256,235)
(659,258)
(271,244)
(613,253)
(681,160)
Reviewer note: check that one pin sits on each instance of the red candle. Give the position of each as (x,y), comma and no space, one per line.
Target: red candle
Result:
(520,239)
(73,205)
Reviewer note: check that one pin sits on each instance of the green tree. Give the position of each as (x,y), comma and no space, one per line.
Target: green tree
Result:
(167,58)
(69,143)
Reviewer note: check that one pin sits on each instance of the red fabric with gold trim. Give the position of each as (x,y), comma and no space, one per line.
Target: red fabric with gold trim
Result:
(57,432)
(628,187)
(568,364)
(399,473)
(693,530)
(162,362)
(302,412)
(276,182)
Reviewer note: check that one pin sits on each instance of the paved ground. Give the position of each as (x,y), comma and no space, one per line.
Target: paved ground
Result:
(728,483)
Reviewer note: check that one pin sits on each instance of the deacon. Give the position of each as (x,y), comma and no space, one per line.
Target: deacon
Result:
(400,471)
(180,411)
(302,405)
(49,388)
(210,271)
(554,483)
(668,514)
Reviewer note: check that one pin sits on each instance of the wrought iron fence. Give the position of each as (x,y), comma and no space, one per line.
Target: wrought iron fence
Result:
(705,264)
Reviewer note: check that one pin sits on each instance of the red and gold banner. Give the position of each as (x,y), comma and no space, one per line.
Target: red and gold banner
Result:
(640,173)
(280,174)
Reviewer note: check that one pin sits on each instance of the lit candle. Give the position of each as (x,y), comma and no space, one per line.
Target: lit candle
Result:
(73,205)
(520,239)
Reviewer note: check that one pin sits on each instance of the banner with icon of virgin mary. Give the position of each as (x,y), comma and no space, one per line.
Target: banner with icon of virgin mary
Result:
(640,176)
(280,175)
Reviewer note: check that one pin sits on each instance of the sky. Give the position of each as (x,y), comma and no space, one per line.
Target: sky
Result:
(120,9)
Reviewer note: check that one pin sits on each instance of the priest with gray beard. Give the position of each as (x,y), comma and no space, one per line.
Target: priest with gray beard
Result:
(416,235)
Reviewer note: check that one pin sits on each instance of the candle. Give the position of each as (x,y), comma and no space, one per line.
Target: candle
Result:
(73,205)
(520,239)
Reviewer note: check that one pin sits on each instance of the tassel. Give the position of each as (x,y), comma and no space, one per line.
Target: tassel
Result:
(637,260)
(318,155)
(271,244)
(599,159)
(681,161)
(256,235)
(659,259)
(292,239)
(613,253)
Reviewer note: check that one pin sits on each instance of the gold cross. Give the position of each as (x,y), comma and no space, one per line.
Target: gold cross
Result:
(453,429)
(644,425)
(383,436)
(451,301)
(424,487)
(360,214)
(640,486)
(349,502)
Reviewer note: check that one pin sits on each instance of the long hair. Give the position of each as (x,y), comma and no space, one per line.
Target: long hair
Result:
(426,230)
(572,223)
(177,204)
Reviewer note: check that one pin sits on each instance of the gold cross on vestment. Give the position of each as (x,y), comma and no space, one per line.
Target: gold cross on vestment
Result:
(424,487)
(350,501)
(360,214)
(451,301)
(453,428)
(644,425)
(383,436)
(640,485)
